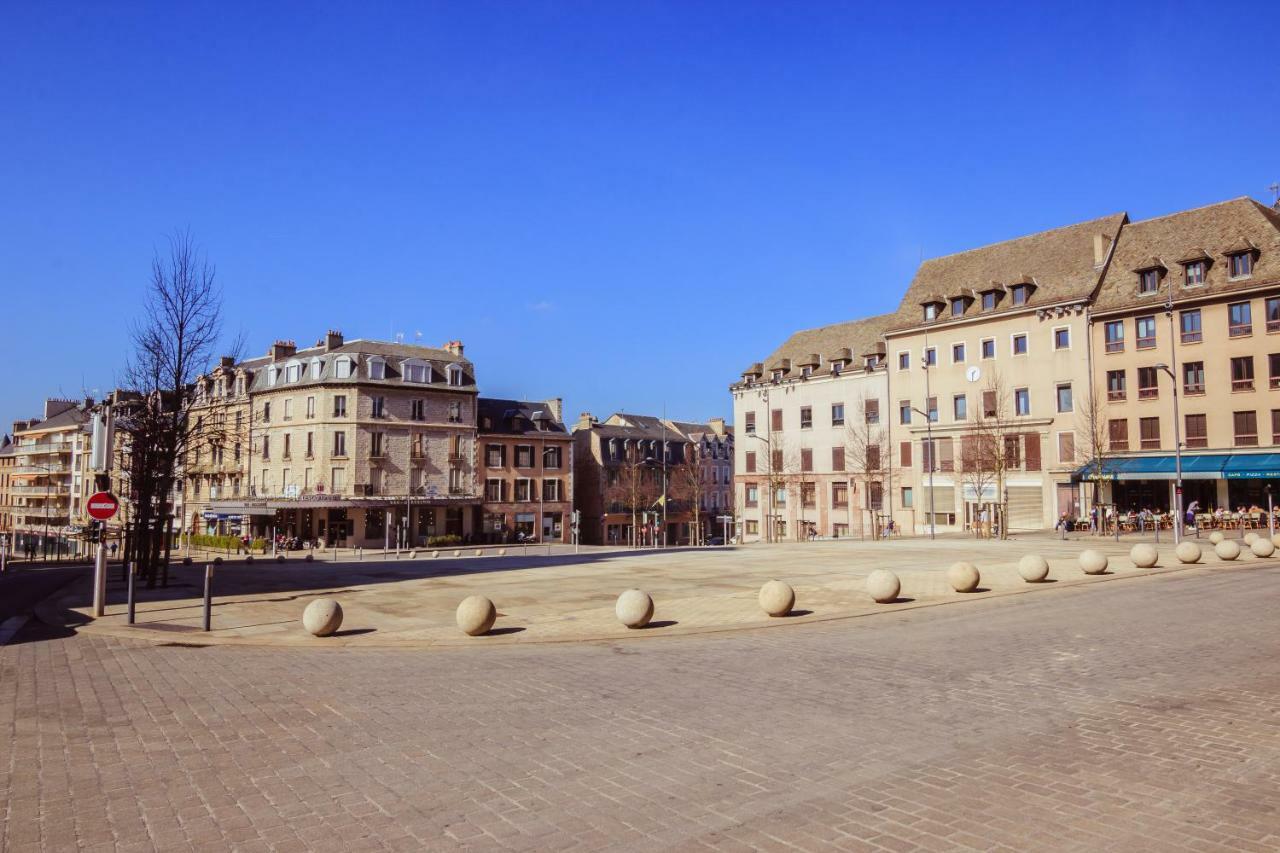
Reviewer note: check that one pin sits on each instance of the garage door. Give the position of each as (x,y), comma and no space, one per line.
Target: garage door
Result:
(1026,508)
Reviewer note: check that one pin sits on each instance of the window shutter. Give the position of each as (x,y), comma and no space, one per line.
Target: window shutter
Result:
(1033,451)
(837,459)
(806,459)
(904,450)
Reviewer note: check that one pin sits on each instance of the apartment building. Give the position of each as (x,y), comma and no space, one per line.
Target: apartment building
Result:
(813,456)
(360,443)
(988,370)
(712,446)
(214,467)
(1189,314)
(526,471)
(46,477)
(8,459)
(641,480)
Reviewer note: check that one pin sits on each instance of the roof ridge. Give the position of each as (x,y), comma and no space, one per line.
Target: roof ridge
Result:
(1023,237)
(1194,209)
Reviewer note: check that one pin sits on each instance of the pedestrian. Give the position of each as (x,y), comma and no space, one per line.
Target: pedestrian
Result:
(113,550)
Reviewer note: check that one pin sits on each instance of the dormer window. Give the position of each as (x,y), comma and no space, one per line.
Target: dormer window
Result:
(930,311)
(272,375)
(292,371)
(415,371)
(806,372)
(342,368)
(989,300)
(377,368)
(1148,282)
(777,375)
(455,374)
(958,305)
(1020,293)
(1193,274)
(317,368)
(1241,264)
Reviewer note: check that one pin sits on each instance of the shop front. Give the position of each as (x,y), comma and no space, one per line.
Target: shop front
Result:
(1212,480)
(349,522)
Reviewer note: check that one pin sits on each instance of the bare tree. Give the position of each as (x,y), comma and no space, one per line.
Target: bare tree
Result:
(687,484)
(174,342)
(865,449)
(986,454)
(632,488)
(1096,430)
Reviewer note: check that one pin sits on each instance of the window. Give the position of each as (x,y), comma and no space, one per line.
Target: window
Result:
(837,414)
(340,443)
(493,489)
(316,368)
(1115,385)
(960,407)
(1273,313)
(806,459)
(378,445)
(931,407)
(340,406)
(957,353)
(904,411)
(266,412)
(1066,447)
(752,494)
(552,457)
(904,360)
(808,495)
(1020,294)
(455,375)
(342,368)
(776,417)
(288,408)
(416,372)
(1145,331)
(989,348)
(750,461)
(775,461)
(1246,428)
(417,410)
(1242,373)
(1273,370)
(377,368)
(1019,344)
(338,480)
(311,407)
(292,372)
(379,407)
(524,455)
(1148,383)
(1012,452)
(839,494)
(1114,334)
(1193,377)
(1021,401)
(871,411)
(288,446)
(495,456)
(1148,282)
(931,311)
(551,490)
(930,357)
(988,404)
(1064,398)
(989,300)
(957,306)
(1275,426)
(1242,265)
(1062,338)
(1118,433)
(806,417)
(1149,433)
(904,454)
(1240,319)
(1193,274)
(750,425)
(1197,434)
(837,459)
(266,447)
(311,445)
(524,490)
(1189,322)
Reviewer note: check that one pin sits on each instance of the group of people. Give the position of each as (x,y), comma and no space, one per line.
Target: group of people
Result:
(1148,519)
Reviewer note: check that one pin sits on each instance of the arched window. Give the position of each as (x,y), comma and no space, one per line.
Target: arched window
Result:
(455,374)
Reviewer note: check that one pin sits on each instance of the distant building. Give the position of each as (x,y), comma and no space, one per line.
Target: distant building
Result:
(46,479)
(526,471)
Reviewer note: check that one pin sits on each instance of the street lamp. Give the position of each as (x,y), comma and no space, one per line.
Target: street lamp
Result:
(1177,456)
(933,519)
(768,516)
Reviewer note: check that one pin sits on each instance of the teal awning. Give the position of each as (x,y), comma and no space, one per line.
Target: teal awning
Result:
(1204,466)
(1255,466)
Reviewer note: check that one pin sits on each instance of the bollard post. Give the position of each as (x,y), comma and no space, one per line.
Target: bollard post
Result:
(208,596)
(130,573)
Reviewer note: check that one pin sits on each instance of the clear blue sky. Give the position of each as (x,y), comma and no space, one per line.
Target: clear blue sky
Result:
(620,204)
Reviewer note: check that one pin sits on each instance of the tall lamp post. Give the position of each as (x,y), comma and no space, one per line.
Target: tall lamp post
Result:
(1177,457)
(768,516)
(933,519)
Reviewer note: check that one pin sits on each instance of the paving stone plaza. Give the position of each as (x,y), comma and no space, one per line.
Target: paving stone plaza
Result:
(1134,710)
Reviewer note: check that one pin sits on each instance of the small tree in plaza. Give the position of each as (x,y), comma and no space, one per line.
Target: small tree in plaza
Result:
(1096,431)
(864,455)
(632,487)
(686,483)
(988,449)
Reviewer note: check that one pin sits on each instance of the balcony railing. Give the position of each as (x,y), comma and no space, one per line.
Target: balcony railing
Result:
(51,490)
(41,512)
(58,468)
(41,449)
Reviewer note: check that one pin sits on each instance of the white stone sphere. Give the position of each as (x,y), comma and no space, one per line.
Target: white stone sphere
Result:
(1250,537)
(883,586)
(1093,562)
(777,598)
(1215,537)
(1033,568)
(476,615)
(1275,540)
(479,553)
(1262,547)
(322,617)
(634,608)
(457,553)
(1227,549)
(502,552)
(1144,555)
(963,576)
(1188,552)
(435,554)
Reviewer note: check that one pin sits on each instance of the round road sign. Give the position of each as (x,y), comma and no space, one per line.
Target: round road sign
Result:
(102,506)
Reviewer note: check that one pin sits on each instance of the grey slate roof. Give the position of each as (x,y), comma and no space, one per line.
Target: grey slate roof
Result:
(361,351)
(516,417)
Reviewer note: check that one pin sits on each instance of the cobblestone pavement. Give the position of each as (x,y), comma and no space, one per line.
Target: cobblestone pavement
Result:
(1142,714)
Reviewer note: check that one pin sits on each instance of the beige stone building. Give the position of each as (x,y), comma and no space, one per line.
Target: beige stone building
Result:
(215,467)
(1197,292)
(8,459)
(812,455)
(525,456)
(360,443)
(46,478)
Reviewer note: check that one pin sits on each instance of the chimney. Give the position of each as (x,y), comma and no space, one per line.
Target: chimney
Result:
(717,425)
(282,349)
(332,340)
(556,408)
(227,361)
(1101,243)
(454,348)
(585,421)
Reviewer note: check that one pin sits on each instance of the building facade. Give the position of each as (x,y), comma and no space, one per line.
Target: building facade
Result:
(813,457)
(525,458)
(46,478)
(215,464)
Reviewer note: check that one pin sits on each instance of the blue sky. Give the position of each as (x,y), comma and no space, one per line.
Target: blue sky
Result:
(622,204)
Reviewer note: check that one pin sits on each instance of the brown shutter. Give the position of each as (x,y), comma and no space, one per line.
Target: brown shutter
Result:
(806,459)
(872,411)
(988,404)
(946,455)
(904,451)
(873,457)
(837,459)
(776,415)
(751,461)
(1033,451)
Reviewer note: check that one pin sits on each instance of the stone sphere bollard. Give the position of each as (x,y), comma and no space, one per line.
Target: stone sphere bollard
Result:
(883,586)
(963,576)
(476,615)
(322,617)
(435,554)
(1250,538)
(309,558)
(1275,540)
(217,561)
(1227,549)
(249,559)
(634,608)
(1262,547)
(1144,556)
(502,552)
(1188,552)
(1033,568)
(479,553)
(186,561)
(1093,562)
(413,555)
(279,558)
(1215,537)
(777,598)
(457,553)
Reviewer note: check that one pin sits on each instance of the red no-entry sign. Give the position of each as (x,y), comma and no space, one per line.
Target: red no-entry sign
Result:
(102,506)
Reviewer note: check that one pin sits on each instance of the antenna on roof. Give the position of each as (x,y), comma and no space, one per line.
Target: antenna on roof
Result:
(417,334)
(1275,191)
(399,337)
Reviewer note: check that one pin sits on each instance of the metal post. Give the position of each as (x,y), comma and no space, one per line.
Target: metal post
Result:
(131,570)
(208,596)
(1271,521)
(100,578)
